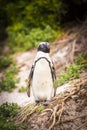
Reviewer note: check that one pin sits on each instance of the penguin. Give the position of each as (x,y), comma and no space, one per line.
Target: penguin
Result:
(42,75)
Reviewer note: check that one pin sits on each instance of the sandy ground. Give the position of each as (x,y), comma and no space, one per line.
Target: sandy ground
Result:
(14,96)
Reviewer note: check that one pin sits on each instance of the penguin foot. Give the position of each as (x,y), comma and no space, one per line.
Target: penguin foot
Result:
(37,100)
(46,103)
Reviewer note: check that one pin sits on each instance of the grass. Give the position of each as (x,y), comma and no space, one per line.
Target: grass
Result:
(40,109)
(22,89)
(8,82)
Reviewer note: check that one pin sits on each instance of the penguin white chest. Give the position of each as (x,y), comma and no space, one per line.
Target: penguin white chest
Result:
(42,84)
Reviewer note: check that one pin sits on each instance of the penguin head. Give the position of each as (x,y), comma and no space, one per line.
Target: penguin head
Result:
(44,47)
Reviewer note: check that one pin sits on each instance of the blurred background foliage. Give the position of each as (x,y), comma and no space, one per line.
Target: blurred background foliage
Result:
(25,40)
(9,70)
(22,21)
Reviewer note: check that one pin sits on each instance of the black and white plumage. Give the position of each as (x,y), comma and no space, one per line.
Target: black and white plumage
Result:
(42,75)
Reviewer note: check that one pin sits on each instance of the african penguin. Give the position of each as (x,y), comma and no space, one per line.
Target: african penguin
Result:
(42,75)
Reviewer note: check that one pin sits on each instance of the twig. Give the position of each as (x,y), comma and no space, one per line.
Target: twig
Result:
(23,112)
(33,110)
(82,125)
(54,117)
(23,116)
(61,112)
(48,109)
(69,95)
(73,118)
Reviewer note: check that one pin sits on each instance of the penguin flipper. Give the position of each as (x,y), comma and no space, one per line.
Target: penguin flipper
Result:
(30,80)
(53,72)
(53,76)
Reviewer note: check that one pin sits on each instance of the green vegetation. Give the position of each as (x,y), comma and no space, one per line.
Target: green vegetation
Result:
(22,89)
(40,109)
(5,62)
(26,23)
(7,112)
(25,40)
(73,71)
(27,15)
(7,83)
(22,19)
